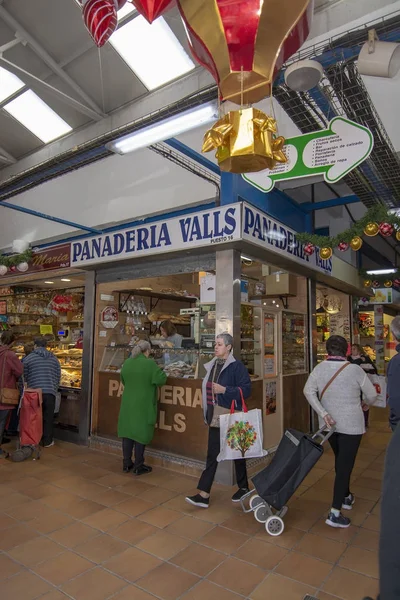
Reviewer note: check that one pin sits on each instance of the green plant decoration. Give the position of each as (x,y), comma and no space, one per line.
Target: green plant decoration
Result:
(12,260)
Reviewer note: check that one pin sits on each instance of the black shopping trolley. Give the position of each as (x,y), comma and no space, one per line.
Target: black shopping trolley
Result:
(295,456)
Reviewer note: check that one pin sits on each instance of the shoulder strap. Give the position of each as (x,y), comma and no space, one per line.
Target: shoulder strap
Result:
(3,370)
(332,379)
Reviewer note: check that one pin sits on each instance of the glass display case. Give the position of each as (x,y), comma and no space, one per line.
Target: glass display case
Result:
(71,366)
(294,338)
(114,357)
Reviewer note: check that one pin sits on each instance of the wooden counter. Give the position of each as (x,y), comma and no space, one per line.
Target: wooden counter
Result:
(180,429)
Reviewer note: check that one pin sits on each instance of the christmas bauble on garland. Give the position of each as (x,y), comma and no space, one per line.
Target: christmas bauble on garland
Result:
(375,283)
(356,243)
(309,249)
(398,235)
(371,229)
(367,283)
(388,283)
(343,246)
(386,229)
(325,253)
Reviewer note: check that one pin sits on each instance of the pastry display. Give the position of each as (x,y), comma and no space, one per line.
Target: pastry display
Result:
(179,369)
(155,317)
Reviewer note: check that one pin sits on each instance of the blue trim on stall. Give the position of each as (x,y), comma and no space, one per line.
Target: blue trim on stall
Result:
(193,155)
(312,206)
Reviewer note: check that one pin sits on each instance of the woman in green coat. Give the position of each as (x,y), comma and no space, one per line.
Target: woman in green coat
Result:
(138,413)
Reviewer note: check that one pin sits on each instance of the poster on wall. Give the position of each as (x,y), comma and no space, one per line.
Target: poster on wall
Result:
(269,365)
(379,339)
(270,398)
(269,332)
(109,317)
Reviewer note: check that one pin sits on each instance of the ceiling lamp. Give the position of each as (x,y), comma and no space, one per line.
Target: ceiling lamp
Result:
(379,59)
(303,75)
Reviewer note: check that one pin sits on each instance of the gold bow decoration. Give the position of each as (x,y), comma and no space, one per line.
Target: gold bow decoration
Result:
(245,142)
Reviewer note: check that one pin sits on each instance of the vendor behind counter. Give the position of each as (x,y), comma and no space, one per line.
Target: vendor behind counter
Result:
(169,333)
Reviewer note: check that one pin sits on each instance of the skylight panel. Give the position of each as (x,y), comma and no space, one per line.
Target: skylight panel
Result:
(9,84)
(37,116)
(126,10)
(152,51)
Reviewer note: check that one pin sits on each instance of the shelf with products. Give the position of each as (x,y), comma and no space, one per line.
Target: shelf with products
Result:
(294,341)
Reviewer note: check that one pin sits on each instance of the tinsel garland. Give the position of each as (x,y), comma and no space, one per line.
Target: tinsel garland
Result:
(376,214)
(12,260)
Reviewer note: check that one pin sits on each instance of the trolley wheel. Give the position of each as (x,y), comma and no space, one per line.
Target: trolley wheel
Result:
(274,526)
(261,513)
(255,501)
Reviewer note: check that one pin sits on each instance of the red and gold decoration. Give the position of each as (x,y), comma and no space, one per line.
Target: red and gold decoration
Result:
(152,9)
(381,281)
(101,20)
(386,229)
(356,243)
(388,283)
(371,229)
(375,283)
(343,246)
(325,253)
(398,235)
(309,249)
(12,262)
(244,141)
(367,283)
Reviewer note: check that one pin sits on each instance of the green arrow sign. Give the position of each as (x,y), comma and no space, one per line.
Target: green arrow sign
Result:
(332,152)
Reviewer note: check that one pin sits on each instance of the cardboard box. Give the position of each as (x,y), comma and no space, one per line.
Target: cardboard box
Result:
(280,284)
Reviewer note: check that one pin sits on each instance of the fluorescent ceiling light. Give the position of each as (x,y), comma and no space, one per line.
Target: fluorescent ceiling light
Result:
(126,10)
(152,51)
(9,84)
(65,280)
(164,130)
(49,282)
(37,116)
(382,272)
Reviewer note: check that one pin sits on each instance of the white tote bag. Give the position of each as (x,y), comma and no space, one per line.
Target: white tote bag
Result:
(379,381)
(241,434)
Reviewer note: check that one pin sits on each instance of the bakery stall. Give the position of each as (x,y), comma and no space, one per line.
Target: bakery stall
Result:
(334,317)
(53,308)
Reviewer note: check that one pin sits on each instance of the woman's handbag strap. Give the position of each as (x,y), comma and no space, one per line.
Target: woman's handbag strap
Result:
(332,379)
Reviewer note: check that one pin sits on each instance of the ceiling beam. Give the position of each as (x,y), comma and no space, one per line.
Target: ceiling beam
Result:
(82,108)
(22,33)
(7,157)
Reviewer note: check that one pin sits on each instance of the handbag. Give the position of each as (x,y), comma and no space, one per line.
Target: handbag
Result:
(218,411)
(8,395)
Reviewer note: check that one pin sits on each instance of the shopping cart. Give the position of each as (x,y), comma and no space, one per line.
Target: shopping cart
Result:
(296,455)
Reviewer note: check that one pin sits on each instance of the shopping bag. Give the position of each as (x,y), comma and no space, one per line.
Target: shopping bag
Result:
(379,381)
(241,434)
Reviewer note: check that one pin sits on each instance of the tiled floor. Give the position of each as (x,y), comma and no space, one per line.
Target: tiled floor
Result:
(73,526)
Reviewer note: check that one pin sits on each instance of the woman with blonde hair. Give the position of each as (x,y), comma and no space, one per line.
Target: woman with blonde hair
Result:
(138,413)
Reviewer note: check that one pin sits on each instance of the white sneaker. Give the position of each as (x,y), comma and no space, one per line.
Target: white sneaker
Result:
(49,445)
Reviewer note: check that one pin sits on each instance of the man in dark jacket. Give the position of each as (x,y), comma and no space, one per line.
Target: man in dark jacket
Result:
(42,370)
(393,378)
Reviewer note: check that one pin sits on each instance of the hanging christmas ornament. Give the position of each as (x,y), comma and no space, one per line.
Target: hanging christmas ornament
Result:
(396,282)
(343,246)
(367,283)
(386,229)
(13,268)
(388,283)
(23,267)
(309,249)
(100,17)
(398,235)
(371,229)
(151,9)
(3,270)
(375,283)
(325,253)
(245,142)
(356,243)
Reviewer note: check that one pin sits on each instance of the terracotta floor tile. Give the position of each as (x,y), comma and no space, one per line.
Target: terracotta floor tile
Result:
(24,586)
(6,522)
(373,522)
(164,545)
(243,524)
(35,551)
(369,540)
(132,564)
(348,585)
(131,592)
(301,520)
(305,569)
(134,506)
(280,588)
(324,596)
(198,559)
(168,582)
(289,538)
(190,528)
(158,495)
(133,486)
(97,584)
(260,553)
(8,567)
(63,567)
(237,576)
(321,547)
(339,535)
(80,509)
(133,531)
(60,501)
(366,493)
(101,548)
(160,517)
(50,521)
(224,540)
(54,595)
(370,483)
(207,590)
(27,511)
(106,519)
(16,535)
(41,491)
(25,483)
(12,500)
(360,560)
(74,534)
(111,497)
(113,480)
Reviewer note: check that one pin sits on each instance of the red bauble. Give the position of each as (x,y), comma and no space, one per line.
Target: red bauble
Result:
(309,249)
(375,284)
(13,269)
(343,246)
(101,19)
(396,283)
(151,9)
(386,229)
